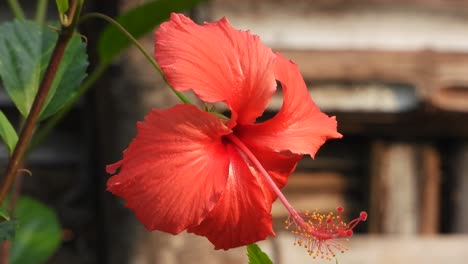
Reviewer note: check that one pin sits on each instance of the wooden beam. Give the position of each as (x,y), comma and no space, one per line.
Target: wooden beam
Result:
(329,181)
(460,190)
(440,77)
(428,124)
(430,190)
(418,124)
(378,153)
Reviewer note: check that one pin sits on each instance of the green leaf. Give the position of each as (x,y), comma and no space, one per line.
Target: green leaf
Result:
(8,230)
(38,235)
(257,256)
(62,6)
(8,133)
(138,21)
(25,50)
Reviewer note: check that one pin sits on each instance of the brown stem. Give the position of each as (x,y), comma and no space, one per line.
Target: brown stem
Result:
(27,131)
(5,250)
(15,194)
(16,159)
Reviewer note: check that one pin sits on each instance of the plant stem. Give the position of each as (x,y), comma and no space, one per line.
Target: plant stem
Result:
(16,9)
(16,159)
(11,208)
(41,11)
(135,42)
(5,251)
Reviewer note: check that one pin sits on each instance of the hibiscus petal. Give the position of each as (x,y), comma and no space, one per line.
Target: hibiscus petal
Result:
(299,126)
(219,63)
(242,214)
(175,170)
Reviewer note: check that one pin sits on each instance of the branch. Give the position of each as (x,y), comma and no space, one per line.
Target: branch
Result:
(65,34)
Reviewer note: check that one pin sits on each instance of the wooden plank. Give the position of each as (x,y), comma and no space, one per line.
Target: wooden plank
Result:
(460,192)
(417,124)
(378,153)
(346,162)
(430,190)
(380,249)
(312,181)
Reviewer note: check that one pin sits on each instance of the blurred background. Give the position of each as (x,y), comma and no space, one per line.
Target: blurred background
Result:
(394,73)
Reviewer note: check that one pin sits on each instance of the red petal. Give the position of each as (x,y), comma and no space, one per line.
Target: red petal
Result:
(175,170)
(242,214)
(299,126)
(219,63)
(112,168)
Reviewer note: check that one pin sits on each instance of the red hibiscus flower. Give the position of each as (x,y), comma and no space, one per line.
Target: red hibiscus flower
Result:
(188,169)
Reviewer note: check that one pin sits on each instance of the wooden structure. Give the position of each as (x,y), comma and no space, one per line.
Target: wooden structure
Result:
(395,73)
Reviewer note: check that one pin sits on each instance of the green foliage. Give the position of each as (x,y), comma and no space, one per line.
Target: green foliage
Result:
(7,133)
(38,235)
(7,226)
(8,229)
(25,50)
(138,21)
(62,6)
(257,256)
(4,214)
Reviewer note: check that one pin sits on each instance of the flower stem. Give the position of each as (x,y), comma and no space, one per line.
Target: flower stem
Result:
(16,159)
(16,9)
(41,11)
(135,42)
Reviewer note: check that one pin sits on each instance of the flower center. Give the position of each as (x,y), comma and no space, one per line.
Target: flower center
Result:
(316,232)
